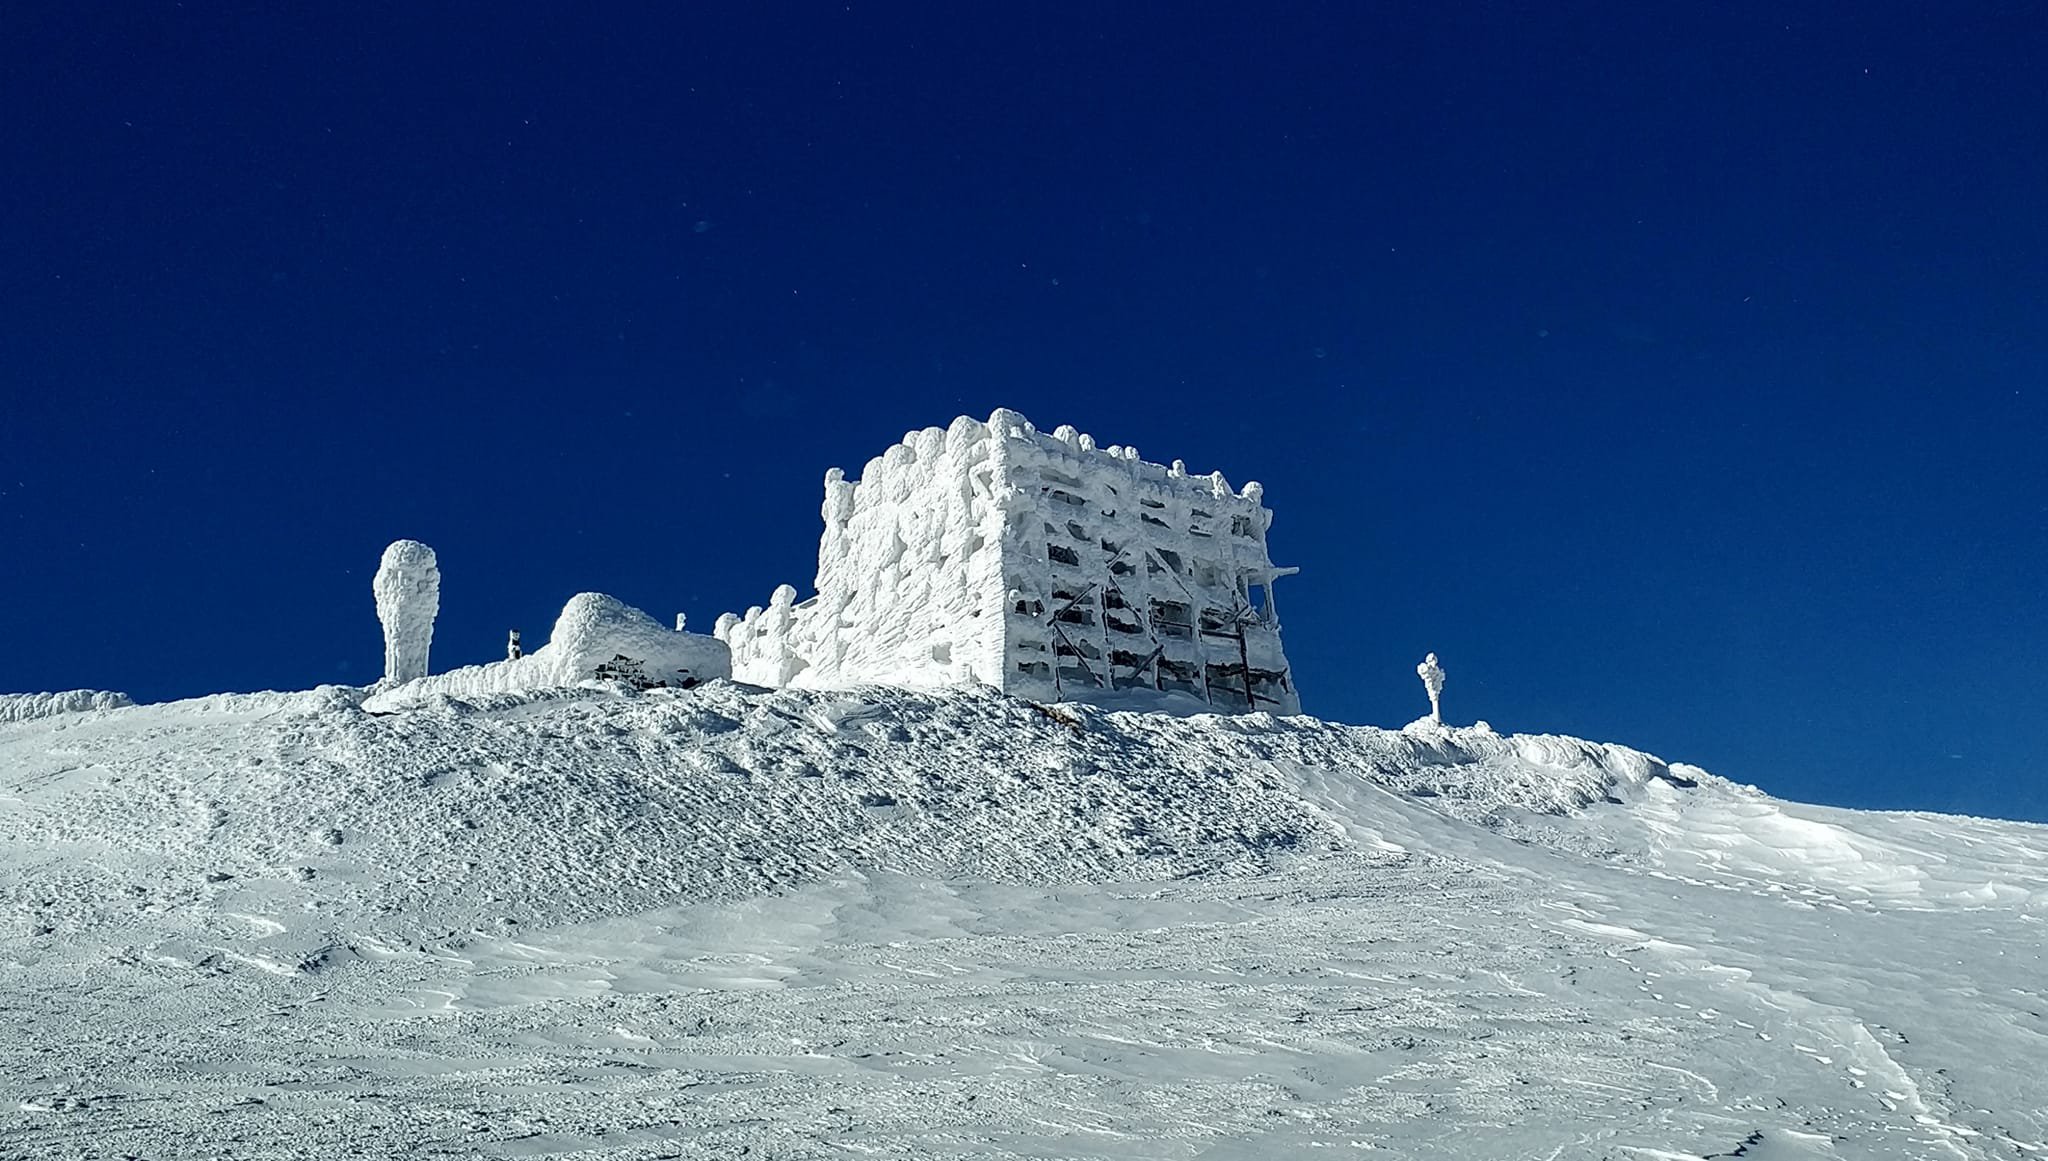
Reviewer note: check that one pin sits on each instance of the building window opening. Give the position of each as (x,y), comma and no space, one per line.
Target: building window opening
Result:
(1075,615)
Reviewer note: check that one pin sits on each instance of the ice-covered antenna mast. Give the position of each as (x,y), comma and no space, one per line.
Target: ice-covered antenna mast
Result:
(408,588)
(1432,676)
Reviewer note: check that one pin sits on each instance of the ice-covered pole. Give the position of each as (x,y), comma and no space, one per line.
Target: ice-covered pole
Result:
(1432,676)
(408,588)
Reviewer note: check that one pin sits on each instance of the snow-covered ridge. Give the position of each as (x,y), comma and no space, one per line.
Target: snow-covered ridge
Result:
(1448,941)
(724,790)
(22,707)
(503,910)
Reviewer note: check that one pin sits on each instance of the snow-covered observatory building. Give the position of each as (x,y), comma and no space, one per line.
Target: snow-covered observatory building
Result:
(1041,564)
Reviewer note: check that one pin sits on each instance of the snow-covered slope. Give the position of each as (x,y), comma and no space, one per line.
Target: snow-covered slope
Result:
(727,921)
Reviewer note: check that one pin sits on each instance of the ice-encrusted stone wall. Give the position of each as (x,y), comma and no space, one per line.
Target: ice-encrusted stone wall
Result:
(1042,564)
(909,580)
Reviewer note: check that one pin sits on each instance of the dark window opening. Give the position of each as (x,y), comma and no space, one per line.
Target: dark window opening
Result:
(1052,477)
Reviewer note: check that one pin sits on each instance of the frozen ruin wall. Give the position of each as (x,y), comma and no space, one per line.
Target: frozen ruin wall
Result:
(1039,563)
(909,584)
(1128,575)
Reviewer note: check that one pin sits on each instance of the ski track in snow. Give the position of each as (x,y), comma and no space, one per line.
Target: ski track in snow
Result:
(734,922)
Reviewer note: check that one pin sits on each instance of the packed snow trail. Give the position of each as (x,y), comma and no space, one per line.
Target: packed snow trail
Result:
(688,924)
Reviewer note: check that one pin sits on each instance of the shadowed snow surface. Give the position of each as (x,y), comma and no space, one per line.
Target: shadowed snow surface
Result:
(728,921)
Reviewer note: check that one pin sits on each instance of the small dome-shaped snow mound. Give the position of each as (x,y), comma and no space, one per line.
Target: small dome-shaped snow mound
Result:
(601,636)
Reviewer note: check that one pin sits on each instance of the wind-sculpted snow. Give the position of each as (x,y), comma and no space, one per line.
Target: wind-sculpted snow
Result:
(595,635)
(22,707)
(727,922)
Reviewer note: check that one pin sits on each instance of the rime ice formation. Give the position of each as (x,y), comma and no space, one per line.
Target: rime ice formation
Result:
(22,707)
(408,588)
(1040,564)
(603,637)
(1432,675)
(597,637)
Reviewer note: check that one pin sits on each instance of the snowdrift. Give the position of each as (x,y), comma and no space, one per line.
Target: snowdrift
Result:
(513,922)
(581,802)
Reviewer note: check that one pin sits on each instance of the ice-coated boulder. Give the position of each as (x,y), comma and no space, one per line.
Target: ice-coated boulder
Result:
(408,589)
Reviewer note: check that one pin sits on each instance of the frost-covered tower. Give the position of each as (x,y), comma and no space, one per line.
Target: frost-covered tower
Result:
(1040,564)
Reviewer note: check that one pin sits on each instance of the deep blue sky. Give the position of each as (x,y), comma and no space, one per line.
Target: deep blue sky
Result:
(1678,373)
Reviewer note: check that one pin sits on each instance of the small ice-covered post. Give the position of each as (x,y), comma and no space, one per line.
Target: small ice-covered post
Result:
(408,588)
(1432,676)
(512,650)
